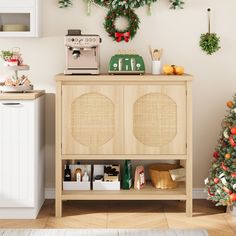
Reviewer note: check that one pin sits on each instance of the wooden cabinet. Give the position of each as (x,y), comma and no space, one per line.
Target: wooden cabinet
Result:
(155,119)
(22,156)
(20,18)
(92,120)
(120,117)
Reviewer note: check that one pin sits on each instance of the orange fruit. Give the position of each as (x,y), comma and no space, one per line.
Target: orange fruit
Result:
(230,104)
(227,155)
(168,70)
(178,70)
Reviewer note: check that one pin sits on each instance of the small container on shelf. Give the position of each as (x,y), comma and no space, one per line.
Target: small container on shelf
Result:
(80,178)
(106,177)
(160,175)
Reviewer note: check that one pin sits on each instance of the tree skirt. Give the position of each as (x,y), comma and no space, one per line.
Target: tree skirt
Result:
(100,232)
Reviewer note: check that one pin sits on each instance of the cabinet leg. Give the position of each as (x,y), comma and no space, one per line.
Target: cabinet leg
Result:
(58,208)
(189,207)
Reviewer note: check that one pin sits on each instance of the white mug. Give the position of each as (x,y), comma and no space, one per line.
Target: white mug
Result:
(156,67)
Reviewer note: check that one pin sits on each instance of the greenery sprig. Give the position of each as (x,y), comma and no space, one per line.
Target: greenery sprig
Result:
(176,4)
(209,43)
(65,3)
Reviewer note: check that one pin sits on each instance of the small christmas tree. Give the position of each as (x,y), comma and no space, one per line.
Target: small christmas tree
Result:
(221,183)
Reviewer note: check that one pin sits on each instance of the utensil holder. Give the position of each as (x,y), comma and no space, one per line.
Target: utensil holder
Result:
(156,67)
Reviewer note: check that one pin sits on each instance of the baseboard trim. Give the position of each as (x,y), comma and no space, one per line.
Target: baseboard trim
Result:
(198,193)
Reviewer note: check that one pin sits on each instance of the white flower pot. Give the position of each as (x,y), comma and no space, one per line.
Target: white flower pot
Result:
(231,209)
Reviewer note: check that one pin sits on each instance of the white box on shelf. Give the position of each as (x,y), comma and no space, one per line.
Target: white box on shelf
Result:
(102,185)
(76,185)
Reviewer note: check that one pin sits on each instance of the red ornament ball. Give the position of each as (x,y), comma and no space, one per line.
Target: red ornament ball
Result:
(216,154)
(216,180)
(233,197)
(233,131)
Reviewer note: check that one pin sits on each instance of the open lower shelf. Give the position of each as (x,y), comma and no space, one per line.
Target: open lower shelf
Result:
(147,193)
(124,157)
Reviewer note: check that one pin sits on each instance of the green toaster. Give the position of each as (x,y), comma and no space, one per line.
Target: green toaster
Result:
(126,64)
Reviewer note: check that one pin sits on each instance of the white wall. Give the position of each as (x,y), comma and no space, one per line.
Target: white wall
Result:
(176,31)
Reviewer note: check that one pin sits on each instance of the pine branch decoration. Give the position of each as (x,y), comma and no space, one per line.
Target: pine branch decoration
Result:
(176,4)
(65,3)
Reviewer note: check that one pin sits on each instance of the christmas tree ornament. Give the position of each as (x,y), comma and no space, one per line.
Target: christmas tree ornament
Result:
(176,4)
(233,130)
(233,197)
(209,192)
(223,179)
(232,141)
(206,180)
(233,175)
(216,180)
(224,167)
(229,104)
(226,133)
(216,154)
(64,3)
(227,156)
(209,42)
(234,186)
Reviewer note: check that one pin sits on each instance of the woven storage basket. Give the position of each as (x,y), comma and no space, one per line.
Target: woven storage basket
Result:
(160,176)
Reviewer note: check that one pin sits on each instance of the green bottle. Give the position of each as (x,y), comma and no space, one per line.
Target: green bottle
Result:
(127,175)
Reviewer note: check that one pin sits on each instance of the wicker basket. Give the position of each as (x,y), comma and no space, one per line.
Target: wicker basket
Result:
(160,176)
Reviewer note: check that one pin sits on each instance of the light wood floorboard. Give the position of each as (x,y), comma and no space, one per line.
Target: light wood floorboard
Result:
(132,214)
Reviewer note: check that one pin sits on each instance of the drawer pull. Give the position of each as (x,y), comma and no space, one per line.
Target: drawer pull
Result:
(12,104)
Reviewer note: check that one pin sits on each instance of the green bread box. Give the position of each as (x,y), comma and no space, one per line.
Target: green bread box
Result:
(126,64)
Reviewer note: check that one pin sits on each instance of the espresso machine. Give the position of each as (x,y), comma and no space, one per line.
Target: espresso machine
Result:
(82,53)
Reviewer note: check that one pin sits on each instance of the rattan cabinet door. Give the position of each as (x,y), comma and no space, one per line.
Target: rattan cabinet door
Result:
(92,119)
(155,119)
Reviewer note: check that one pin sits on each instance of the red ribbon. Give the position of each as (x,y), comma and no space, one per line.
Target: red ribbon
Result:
(125,35)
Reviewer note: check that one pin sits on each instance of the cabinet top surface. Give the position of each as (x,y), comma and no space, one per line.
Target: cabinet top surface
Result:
(22,96)
(123,78)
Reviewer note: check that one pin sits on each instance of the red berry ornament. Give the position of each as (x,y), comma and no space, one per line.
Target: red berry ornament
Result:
(233,197)
(216,180)
(216,154)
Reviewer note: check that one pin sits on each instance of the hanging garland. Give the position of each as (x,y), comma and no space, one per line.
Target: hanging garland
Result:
(176,4)
(64,3)
(126,34)
(121,8)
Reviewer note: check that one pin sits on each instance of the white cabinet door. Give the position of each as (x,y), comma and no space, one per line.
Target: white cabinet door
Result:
(17,122)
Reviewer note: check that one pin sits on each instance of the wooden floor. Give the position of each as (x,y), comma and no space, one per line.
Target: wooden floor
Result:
(131,214)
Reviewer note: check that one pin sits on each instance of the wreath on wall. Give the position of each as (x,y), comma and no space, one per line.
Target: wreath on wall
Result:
(126,34)
(121,8)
